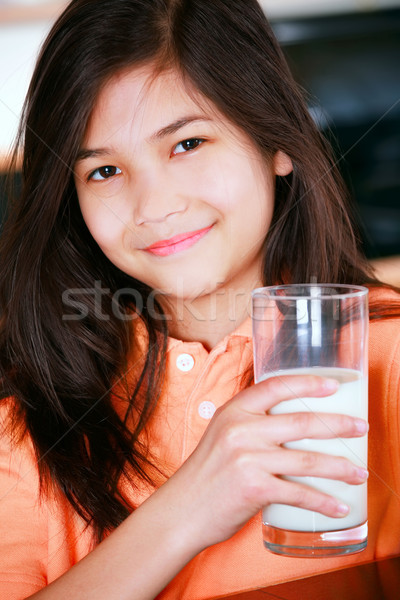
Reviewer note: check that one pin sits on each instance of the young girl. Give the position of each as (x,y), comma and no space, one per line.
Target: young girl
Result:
(169,167)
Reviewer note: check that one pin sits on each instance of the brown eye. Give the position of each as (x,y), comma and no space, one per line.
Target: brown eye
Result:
(187,145)
(104,173)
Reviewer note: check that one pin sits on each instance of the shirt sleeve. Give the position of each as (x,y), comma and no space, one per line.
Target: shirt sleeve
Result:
(23,521)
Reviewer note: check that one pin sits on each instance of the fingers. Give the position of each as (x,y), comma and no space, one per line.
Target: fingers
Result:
(250,445)
(266,394)
(302,496)
(268,431)
(296,463)
(298,426)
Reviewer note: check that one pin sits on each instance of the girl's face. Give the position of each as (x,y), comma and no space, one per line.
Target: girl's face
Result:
(173,193)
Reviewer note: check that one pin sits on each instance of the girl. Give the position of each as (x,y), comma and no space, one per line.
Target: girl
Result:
(169,167)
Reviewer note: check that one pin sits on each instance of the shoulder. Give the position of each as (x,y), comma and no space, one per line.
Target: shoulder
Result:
(40,535)
(384,300)
(384,357)
(17,456)
(23,519)
(384,353)
(384,339)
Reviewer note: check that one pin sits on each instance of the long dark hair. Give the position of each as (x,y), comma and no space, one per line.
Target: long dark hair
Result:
(62,372)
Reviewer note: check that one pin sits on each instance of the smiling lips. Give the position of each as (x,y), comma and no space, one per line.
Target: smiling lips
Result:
(177,243)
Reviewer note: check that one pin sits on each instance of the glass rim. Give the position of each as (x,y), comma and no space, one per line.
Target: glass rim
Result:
(349,291)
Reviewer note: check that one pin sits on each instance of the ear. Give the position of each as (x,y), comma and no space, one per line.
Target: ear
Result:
(282,164)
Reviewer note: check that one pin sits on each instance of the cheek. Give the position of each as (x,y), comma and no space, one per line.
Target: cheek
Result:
(105,225)
(246,190)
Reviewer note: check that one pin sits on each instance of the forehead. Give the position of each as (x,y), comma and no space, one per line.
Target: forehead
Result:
(139,99)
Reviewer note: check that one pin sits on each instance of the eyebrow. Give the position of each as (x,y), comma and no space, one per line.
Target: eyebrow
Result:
(176,125)
(86,153)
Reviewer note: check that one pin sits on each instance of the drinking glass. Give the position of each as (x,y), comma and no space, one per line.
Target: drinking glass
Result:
(319,329)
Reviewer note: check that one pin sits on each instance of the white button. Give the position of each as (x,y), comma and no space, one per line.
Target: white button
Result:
(206,409)
(185,362)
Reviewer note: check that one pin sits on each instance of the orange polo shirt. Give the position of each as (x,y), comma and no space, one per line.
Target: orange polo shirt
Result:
(40,540)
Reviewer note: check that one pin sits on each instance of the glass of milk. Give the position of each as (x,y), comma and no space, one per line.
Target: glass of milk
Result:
(320,329)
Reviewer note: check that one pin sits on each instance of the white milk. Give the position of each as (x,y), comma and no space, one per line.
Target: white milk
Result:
(350,399)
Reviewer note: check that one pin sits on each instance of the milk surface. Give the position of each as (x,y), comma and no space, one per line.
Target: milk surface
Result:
(350,399)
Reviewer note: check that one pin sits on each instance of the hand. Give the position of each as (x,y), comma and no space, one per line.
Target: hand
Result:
(234,471)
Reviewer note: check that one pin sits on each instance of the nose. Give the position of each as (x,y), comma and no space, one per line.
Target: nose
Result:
(156,198)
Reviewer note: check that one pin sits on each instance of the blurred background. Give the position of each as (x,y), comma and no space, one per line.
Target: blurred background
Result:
(344,53)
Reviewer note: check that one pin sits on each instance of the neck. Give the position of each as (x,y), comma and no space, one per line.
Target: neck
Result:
(209,318)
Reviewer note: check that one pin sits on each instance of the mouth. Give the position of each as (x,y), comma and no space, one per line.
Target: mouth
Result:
(177,243)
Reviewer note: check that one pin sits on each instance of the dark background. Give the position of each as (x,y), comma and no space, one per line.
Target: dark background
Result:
(350,66)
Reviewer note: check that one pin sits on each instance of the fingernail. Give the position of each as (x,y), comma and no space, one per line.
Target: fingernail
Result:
(342,509)
(361,426)
(362,473)
(331,385)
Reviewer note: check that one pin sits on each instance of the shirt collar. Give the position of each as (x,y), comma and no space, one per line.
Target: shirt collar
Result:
(244,331)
